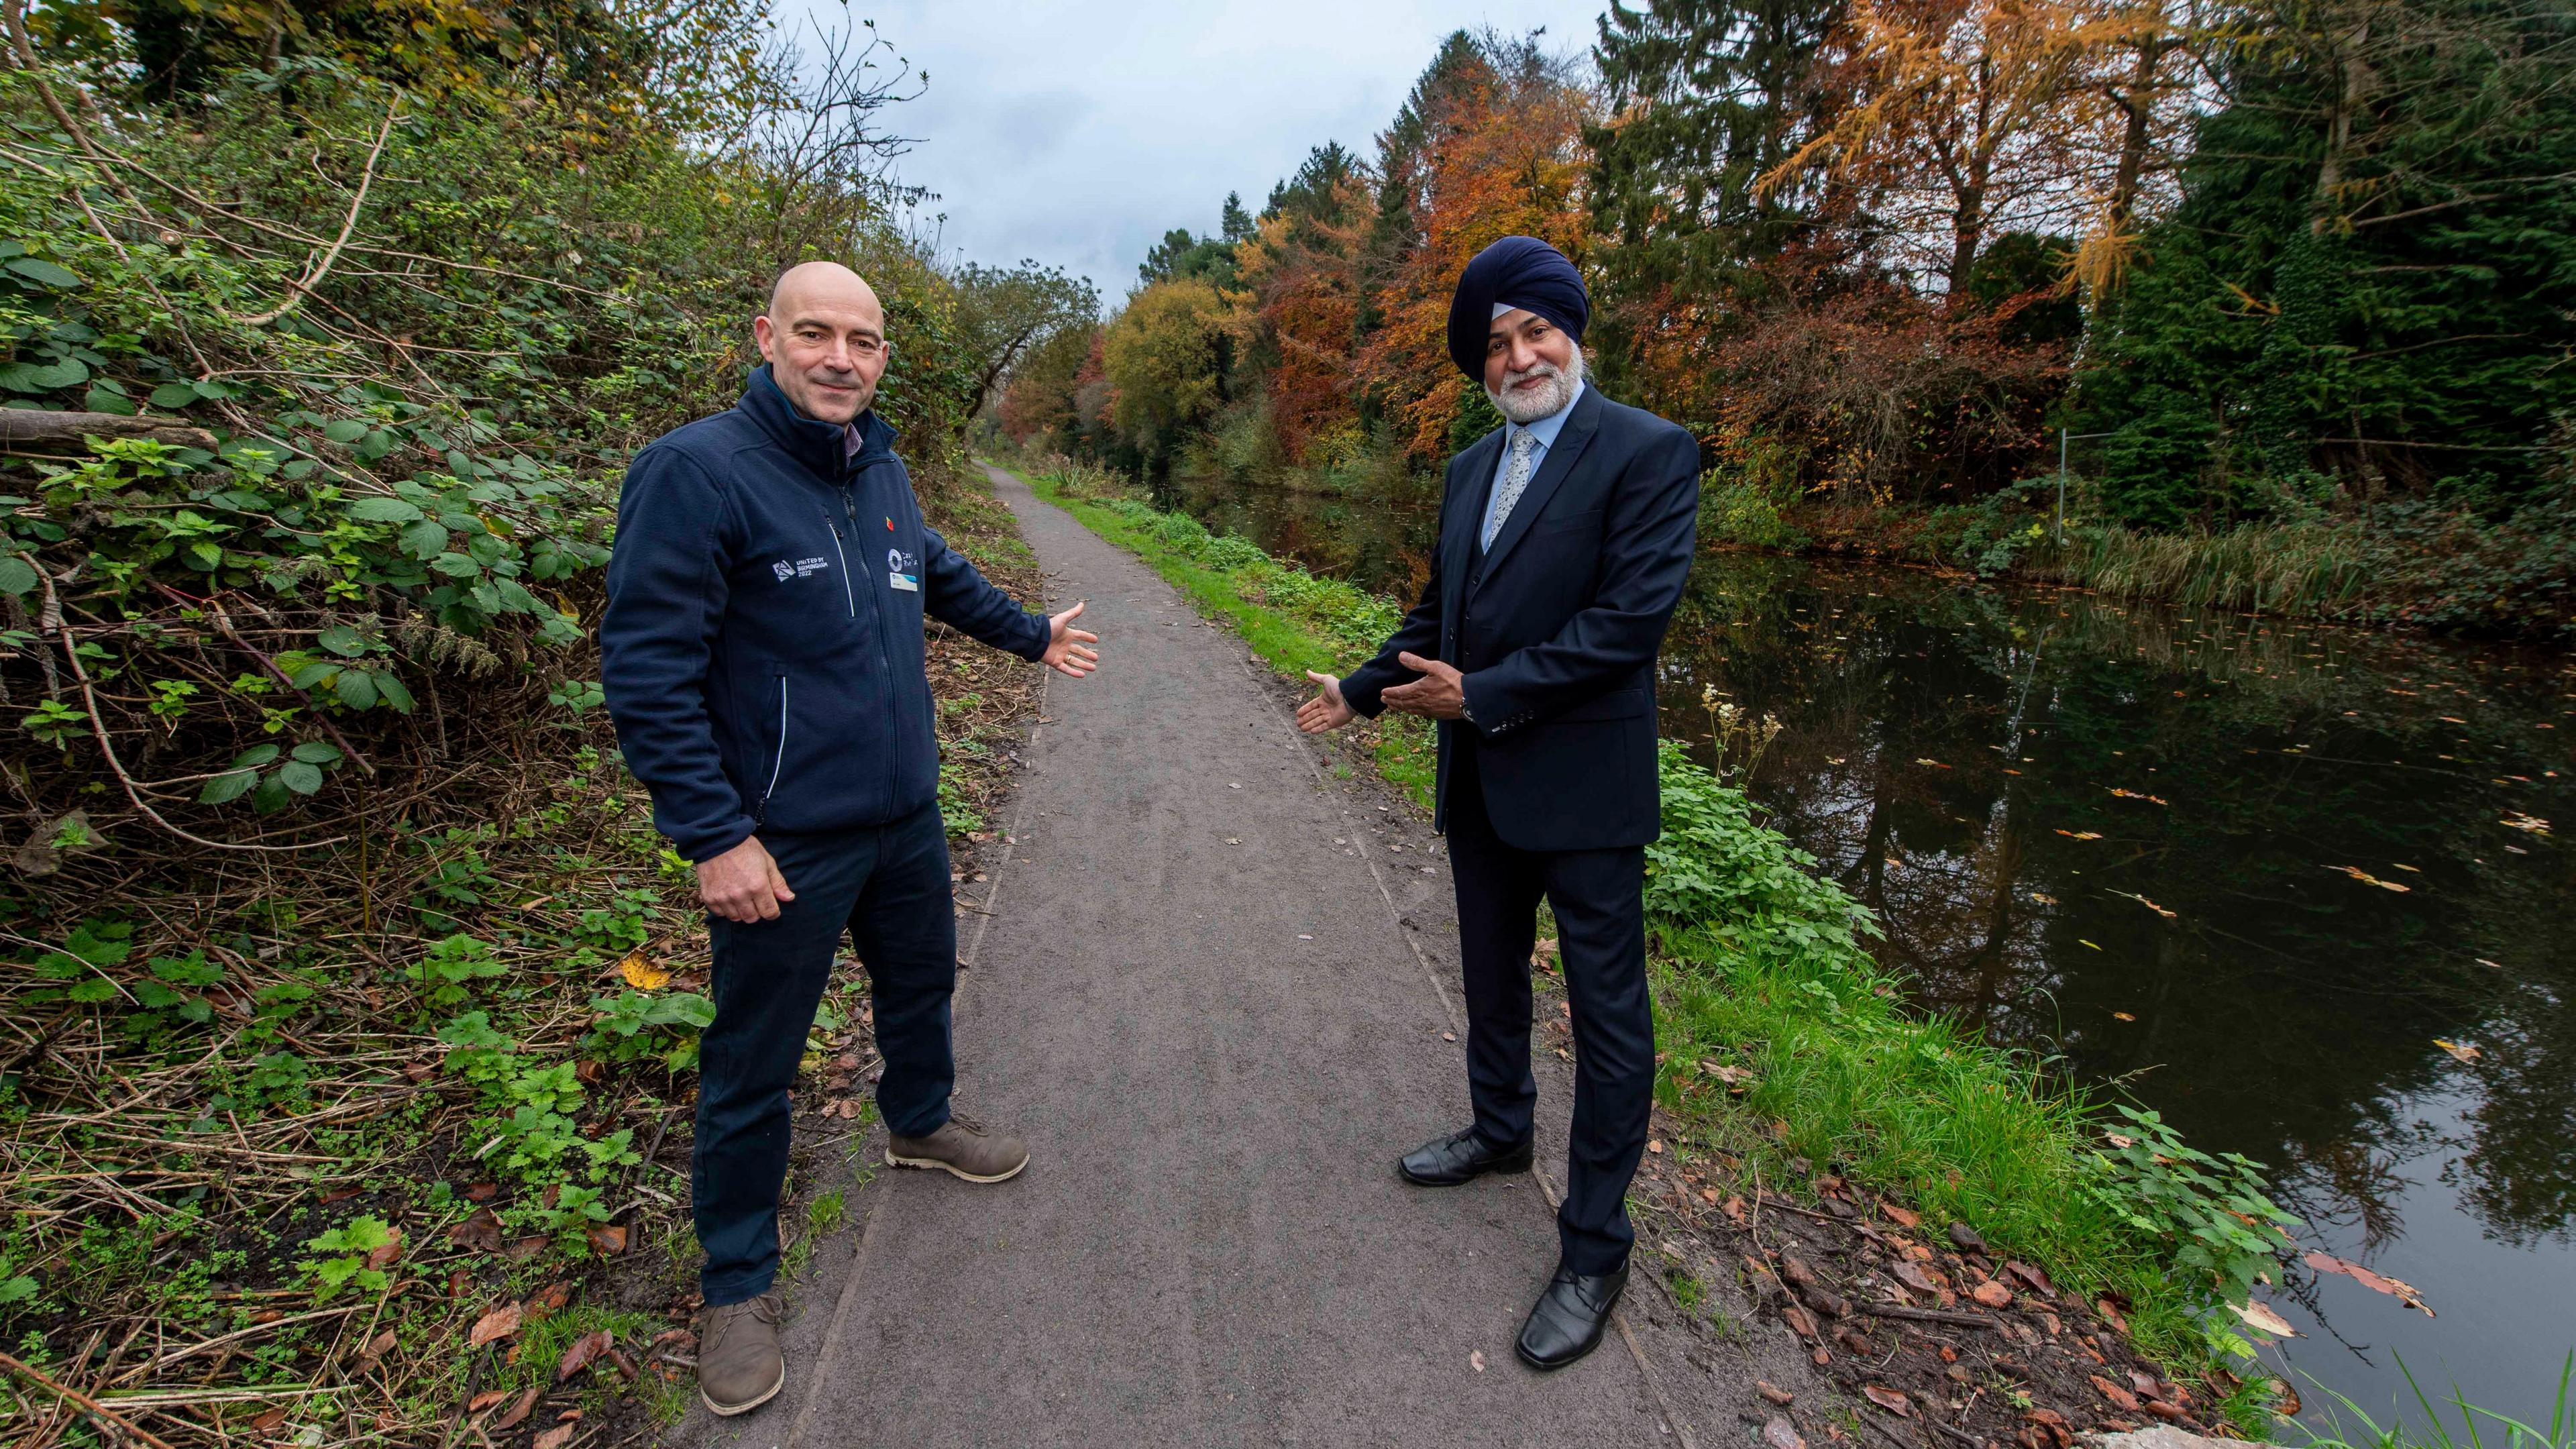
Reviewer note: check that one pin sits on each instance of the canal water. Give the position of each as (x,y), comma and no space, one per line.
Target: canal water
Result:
(2294,887)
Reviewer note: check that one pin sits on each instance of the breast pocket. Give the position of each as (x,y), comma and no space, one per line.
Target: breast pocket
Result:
(1587,521)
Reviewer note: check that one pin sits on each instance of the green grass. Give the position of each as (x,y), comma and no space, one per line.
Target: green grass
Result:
(1781,1038)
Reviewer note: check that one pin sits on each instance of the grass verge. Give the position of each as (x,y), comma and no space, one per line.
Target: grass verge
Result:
(1783,1043)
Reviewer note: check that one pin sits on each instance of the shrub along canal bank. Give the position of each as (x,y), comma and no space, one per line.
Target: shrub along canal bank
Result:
(1789,1060)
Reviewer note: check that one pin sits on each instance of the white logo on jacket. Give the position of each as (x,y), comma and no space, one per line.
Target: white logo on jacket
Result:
(799,569)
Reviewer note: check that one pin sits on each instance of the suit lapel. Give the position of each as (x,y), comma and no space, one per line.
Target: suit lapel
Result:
(1466,513)
(1560,460)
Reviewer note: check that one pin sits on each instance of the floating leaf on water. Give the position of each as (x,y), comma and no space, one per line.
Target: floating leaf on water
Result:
(2081,834)
(2395,1288)
(2080,941)
(2150,905)
(2137,795)
(2261,1316)
(2122,1016)
(2366,878)
(2530,823)
(2459,1051)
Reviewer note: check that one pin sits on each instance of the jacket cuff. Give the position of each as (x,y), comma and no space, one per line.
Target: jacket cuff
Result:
(702,846)
(1362,698)
(1041,634)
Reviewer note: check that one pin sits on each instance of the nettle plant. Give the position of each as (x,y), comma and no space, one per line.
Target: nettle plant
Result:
(2212,1217)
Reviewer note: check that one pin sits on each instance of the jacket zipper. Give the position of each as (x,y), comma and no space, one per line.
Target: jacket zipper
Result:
(778,761)
(848,594)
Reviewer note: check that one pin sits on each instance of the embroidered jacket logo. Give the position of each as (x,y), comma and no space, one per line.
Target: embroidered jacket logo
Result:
(799,569)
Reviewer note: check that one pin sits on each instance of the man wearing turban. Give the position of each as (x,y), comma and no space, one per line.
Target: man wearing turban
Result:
(1565,536)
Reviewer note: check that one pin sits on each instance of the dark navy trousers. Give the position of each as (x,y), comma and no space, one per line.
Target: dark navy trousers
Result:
(888,887)
(1599,899)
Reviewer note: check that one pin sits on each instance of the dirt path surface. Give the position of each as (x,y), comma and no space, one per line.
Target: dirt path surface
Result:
(1214,1000)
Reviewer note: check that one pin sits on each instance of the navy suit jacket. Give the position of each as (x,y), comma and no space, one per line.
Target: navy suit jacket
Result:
(1556,626)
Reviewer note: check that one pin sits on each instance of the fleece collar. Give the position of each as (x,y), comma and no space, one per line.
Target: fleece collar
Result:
(821,447)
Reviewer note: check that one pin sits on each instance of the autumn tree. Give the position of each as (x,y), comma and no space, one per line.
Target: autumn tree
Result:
(1165,359)
(1004,311)
(1500,156)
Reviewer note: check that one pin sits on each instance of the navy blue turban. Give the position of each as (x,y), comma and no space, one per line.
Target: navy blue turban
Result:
(1517,272)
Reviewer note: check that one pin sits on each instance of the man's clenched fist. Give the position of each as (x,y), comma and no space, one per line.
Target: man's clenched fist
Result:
(743,884)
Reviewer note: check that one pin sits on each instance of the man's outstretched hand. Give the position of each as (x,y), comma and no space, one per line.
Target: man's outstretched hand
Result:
(743,884)
(1065,654)
(1326,711)
(1438,694)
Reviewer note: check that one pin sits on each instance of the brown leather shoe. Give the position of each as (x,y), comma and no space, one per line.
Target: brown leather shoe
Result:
(739,1365)
(964,1148)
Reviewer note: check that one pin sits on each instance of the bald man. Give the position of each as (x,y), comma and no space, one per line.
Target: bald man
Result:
(762,655)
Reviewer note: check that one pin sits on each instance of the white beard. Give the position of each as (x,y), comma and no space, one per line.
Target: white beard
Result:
(1525,408)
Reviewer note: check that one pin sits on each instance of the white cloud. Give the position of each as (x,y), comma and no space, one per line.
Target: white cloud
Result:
(1079,134)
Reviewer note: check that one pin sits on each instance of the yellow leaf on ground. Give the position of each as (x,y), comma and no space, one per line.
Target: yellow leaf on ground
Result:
(641,974)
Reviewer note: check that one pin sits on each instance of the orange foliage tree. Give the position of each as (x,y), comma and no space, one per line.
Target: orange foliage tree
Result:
(1504,158)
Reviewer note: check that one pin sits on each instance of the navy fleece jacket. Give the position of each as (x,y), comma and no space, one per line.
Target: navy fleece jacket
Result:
(762,651)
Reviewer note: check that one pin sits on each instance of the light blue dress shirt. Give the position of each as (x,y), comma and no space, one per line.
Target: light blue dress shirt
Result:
(1544,431)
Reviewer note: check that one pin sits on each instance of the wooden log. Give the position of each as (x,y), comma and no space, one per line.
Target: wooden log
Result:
(24,430)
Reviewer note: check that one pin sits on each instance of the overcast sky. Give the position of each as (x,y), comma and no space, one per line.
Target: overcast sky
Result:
(1078,134)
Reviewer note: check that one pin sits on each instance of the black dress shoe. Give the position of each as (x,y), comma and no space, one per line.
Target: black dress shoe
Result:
(1460,1157)
(1570,1318)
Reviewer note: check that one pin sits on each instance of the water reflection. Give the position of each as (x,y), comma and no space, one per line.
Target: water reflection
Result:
(2250,873)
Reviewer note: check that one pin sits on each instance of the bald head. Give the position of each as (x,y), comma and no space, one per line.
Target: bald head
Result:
(824,339)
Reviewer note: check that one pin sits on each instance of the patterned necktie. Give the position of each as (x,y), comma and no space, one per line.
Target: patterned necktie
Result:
(1516,476)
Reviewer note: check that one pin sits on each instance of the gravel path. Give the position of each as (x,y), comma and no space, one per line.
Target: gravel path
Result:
(1214,998)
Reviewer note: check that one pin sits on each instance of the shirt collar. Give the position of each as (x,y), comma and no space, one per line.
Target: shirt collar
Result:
(1546,428)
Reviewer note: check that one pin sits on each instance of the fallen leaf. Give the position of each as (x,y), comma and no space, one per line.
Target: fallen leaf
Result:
(484,1400)
(2032,1279)
(2120,1398)
(1655,1145)
(2122,1016)
(2080,941)
(269,1420)
(1888,1399)
(2395,1288)
(641,974)
(1915,1276)
(1476,1360)
(2261,1316)
(2081,834)
(2135,795)
(528,1247)
(2044,898)
(2366,878)
(378,1346)
(554,1438)
(479,1233)
(1899,1216)
(518,1409)
(386,1253)
(1734,1210)
(482,1191)
(585,1348)
(551,1297)
(1993,1295)
(608,1242)
(1775,1394)
(2458,1050)
(498,1324)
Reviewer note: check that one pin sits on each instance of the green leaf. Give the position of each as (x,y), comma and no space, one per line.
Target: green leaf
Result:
(342,640)
(16,1290)
(357,690)
(16,575)
(44,273)
(345,430)
(457,565)
(299,777)
(375,445)
(312,673)
(254,757)
(384,510)
(272,795)
(318,752)
(227,787)
(175,395)
(100,399)
(425,540)
(91,991)
(395,693)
